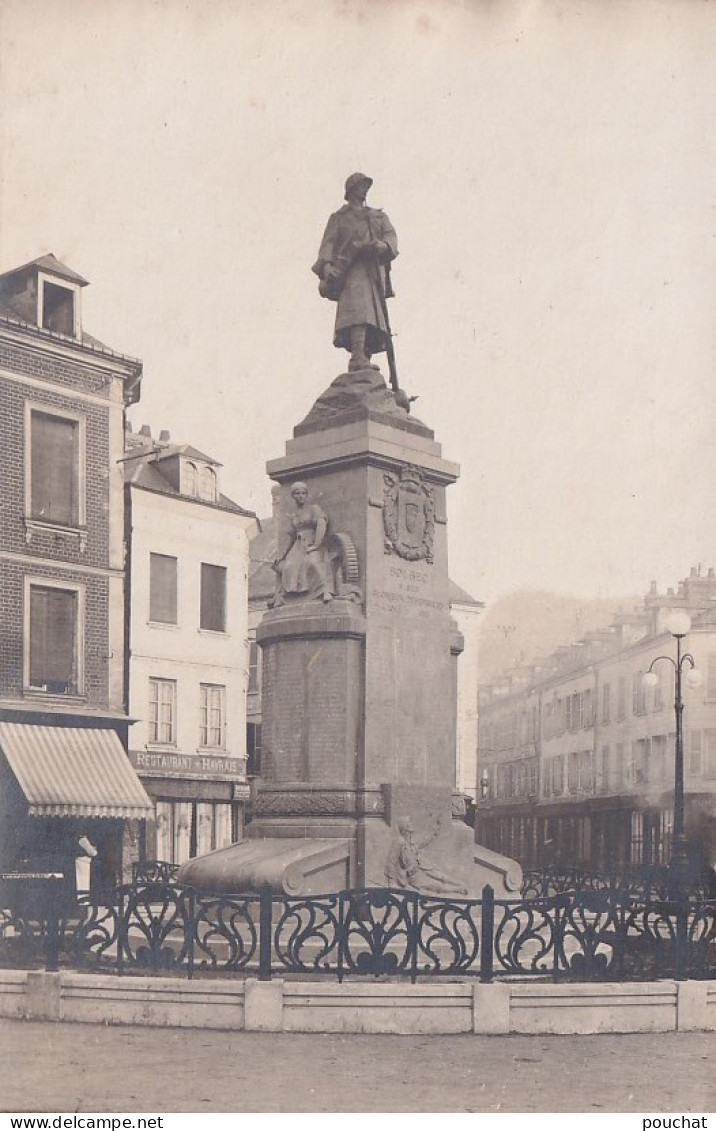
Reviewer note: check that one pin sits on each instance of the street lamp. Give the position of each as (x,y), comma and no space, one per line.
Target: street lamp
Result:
(678,624)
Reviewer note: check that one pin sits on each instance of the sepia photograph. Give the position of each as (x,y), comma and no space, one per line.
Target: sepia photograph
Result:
(357,559)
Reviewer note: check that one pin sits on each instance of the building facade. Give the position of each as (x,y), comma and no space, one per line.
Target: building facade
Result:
(64,773)
(187,645)
(576,754)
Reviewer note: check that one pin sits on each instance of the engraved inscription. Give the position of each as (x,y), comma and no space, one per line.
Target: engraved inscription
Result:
(386,601)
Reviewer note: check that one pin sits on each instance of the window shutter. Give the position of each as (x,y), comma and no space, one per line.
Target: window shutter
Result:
(162,589)
(54,476)
(213,597)
(53,635)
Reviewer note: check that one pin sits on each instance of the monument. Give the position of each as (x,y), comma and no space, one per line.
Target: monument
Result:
(359,648)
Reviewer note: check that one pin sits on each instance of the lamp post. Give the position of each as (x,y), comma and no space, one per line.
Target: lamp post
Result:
(678,624)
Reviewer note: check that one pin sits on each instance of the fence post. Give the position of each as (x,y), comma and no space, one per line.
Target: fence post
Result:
(191,927)
(562,902)
(52,942)
(488,934)
(415,938)
(682,930)
(265,932)
(120,929)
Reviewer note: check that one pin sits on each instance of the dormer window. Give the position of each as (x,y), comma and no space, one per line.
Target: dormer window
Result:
(58,306)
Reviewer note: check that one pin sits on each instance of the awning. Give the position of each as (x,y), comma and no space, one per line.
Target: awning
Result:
(73,772)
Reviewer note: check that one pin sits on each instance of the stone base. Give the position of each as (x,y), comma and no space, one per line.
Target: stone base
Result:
(357,396)
(446,861)
(288,866)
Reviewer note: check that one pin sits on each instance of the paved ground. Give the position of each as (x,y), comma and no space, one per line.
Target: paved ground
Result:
(88,1068)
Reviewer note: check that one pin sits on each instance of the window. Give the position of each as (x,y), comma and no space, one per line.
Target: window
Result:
(587,708)
(604,771)
(253,749)
(53,661)
(58,310)
(659,696)
(162,711)
(580,771)
(192,828)
(606,703)
(638,694)
(213,598)
(641,752)
(637,837)
(188,478)
(670,755)
(533,772)
(207,484)
(659,770)
(162,589)
(710,753)
(555,776)
(573,771)
(621,698)
(695,752)
(55,489)
(254,668)
(212,728)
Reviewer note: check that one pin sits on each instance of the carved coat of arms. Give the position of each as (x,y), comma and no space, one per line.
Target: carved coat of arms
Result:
(408,514)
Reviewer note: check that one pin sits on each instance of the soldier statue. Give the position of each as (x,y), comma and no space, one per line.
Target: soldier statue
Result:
(353,266)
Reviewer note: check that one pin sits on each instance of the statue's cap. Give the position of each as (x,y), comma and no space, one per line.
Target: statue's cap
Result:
(356,179)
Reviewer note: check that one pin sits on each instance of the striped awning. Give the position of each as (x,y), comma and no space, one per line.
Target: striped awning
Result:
(73,772)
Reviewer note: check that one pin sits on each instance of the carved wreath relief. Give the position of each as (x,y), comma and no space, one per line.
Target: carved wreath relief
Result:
(408,514)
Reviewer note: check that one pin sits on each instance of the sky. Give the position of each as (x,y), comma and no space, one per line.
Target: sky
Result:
(550,169)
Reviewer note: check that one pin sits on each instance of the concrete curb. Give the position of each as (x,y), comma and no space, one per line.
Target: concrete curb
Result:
(359,1007)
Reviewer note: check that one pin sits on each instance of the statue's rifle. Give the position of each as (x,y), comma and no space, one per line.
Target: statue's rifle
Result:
(390,352)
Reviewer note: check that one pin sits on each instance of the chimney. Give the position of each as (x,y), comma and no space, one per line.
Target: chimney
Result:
(164,436)
(145,430)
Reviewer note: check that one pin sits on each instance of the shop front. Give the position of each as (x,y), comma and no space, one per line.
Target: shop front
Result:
(199,802)
(66,795)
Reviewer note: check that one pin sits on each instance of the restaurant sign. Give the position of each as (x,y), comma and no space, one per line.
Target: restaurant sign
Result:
(167,764)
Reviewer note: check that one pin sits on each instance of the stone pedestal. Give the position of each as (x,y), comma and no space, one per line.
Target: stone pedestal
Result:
(359,691)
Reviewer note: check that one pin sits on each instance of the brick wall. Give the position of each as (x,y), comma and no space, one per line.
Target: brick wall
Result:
(30,359)
(52,554)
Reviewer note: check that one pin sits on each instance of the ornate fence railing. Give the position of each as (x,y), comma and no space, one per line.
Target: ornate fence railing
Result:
(647,882)
(160,871)
(158,927)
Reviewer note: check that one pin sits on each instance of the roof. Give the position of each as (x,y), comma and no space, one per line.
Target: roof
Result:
(14,317)
(263,551)
(73,772)
(142,469)
(185,450)
(460,596)
(52,265)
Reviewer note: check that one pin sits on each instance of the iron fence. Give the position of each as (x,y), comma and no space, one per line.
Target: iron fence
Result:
(160,871)
(160,927)
(646,882)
